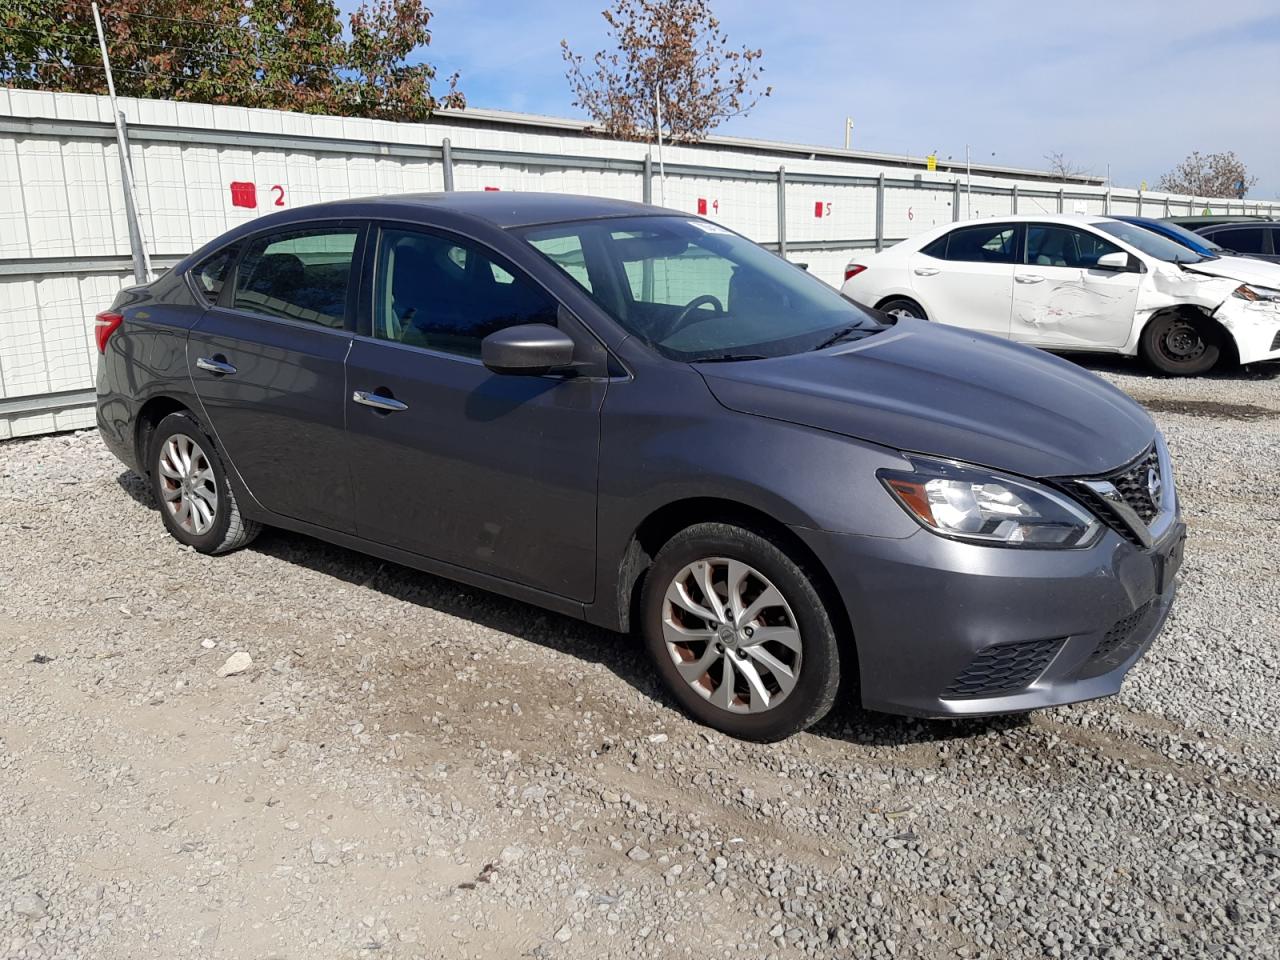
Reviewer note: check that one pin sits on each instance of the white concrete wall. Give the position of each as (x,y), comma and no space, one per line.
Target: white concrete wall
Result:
(61,203)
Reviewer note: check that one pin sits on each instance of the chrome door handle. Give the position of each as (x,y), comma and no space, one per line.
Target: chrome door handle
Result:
(925,271)
(1028,277)
(220,367)
(379,402)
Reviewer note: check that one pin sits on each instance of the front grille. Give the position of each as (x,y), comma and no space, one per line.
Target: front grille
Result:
(1131,483)
(1005,668)
(1117,644)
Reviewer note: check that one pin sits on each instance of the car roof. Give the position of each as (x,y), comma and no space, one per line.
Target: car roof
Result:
(499,208)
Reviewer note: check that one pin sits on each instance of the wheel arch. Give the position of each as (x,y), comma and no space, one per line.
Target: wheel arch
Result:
(666,521)
(911,297)
(148,419)
(1193,311)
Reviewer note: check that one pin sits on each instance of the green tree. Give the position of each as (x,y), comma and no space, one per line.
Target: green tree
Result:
(280,54)
(672,49)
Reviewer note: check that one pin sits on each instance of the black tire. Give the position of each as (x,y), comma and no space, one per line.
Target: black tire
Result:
(903,306)
(228,529)
(1181,345)
(816,667)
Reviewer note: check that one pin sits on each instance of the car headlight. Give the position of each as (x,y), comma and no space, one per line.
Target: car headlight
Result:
(1250,291)
(970,503)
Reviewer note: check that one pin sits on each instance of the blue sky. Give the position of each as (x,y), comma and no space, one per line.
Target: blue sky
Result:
(1132,83)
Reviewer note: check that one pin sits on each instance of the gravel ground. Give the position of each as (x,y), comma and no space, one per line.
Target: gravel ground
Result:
(409,768)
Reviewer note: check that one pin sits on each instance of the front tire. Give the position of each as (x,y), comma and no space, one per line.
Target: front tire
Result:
(739,634)
(190,485)
(1181,346)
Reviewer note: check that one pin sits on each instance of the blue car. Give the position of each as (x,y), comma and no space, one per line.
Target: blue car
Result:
(1193,241)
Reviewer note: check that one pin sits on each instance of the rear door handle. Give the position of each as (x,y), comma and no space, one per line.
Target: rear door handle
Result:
(215,365)
(925,271)
(378,401)
(1028,277)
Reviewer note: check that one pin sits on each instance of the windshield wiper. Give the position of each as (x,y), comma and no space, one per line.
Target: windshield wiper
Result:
(839,335)
(729,358)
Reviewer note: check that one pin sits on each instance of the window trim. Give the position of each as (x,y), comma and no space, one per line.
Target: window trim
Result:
(189,275)
(226,299)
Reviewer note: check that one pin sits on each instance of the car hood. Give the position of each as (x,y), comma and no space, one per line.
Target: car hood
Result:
(1260,273)
(926,388)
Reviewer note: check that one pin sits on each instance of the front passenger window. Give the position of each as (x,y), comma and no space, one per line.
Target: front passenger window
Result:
(300,275)
(445,294)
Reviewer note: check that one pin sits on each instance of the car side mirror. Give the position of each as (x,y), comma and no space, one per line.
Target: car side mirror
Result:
(529,349)
(1118,261)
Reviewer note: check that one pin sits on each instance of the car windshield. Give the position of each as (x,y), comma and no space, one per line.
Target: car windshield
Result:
(697,292)
(1152,244)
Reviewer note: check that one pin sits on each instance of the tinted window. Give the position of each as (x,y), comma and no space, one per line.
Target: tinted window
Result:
(1049,246)
(1240,239)
(1151,243)
(299,275)
(937,249)
(444,294)
(211,273)
(985,243)
(1275,240)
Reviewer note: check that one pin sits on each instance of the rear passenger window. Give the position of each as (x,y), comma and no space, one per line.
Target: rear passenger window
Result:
(448,295)
(937,249)
(985,243)
(211,272)
(1240,240)
(300,275)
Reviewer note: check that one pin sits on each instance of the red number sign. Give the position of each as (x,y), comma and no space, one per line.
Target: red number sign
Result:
(243,194)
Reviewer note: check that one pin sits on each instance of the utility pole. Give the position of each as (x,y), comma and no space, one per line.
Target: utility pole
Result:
(662,170)
(848,132)
(141,262)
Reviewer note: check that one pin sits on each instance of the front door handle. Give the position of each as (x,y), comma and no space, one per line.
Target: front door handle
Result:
(926,271)
(378,401)
(1028,277)
(215,365)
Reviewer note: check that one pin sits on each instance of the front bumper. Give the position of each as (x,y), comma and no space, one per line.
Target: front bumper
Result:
(1255,327)
(946,629)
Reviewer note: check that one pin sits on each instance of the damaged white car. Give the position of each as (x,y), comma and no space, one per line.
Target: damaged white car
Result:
(1074,283)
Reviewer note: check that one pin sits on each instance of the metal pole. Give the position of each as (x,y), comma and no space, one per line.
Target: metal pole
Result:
(1106,200)
(955,200)
(662,169)
(1015,199)
(141,262)
(646,180)
(1139,201)
(446,158)
(968,185)
(848,131)
(1062,200)
(782,211)
(880,212)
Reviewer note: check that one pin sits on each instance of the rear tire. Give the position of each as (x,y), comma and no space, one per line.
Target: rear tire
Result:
(190,485)
(903,307)
(767,629)
(1181,346)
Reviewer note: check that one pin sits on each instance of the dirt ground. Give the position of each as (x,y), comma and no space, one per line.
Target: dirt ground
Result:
(415,769)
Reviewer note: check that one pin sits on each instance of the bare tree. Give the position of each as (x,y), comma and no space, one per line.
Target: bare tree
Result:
(672,49)
(1213,175)
(1063,168)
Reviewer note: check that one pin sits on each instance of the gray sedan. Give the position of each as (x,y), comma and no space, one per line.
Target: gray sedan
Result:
(642,419)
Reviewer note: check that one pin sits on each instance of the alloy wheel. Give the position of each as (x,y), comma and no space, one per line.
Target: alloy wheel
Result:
(732,635)
(187,484)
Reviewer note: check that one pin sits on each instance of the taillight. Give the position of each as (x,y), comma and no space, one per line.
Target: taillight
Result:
(104,325)
(852,270)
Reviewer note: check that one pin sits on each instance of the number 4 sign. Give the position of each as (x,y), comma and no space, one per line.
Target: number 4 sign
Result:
(703,204)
